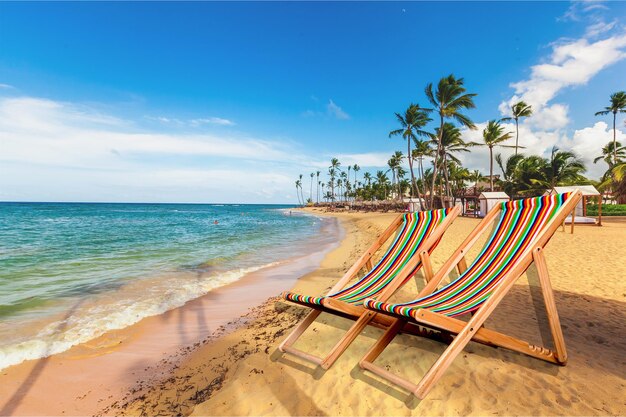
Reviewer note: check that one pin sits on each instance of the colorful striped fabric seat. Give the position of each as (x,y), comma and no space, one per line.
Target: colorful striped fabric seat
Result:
(415,229)
(519,224)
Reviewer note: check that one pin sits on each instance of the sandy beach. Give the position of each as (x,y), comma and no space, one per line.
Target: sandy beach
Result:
(238,370)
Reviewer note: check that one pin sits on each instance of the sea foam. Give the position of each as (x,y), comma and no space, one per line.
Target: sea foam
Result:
(133,303)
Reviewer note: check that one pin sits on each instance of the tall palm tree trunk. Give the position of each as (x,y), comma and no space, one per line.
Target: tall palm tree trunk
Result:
(421,169)
(446,176)
(516,135)
(614,144)
(432,186)
(491,168)
(410,158)
(318,188)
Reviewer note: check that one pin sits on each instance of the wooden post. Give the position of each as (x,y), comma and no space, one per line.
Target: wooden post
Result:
(427,268)
(548,297)
(600,210)
(461,266)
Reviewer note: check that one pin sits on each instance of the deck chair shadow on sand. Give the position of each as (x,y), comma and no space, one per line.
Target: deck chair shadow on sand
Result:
(521,231)
(417,235)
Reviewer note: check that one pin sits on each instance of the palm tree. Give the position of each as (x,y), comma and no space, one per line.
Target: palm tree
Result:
(451,142)
(394,164)
(474,177)
(382,180)
(608,154)
(368,177)
(331,181)
(318,186)
(311,188)
(322,185)
(508,167)
(563,168)
(412,122)
(527,174)
(348,179)
(334,167)
(494,135)
(344,183)
(298,185)
(422,150)
(340,186)
(458,176)
(518,110)
(449,99)
(400,173)
(355,168)
(509,171)
(615,178)
(301,191)
(618,105)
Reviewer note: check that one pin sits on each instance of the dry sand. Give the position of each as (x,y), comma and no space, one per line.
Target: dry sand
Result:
(242,372)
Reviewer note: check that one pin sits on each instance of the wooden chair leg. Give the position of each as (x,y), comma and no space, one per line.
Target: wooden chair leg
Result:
(553,315)
(297,332)
(347,339)
(444,361)
(382,342)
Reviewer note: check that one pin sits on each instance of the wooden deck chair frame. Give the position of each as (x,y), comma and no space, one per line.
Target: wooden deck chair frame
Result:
(362,316)
(473,330)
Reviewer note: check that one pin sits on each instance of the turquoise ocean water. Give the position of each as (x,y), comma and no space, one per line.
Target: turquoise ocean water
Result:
(70,271)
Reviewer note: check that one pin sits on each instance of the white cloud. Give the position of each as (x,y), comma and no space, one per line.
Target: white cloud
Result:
(571,63)
(600,27)
(550,117)
(6,86)
(213,121)
(369,159)
(336,111)
(64,151)
(578,10)
(588,143)
(192,122)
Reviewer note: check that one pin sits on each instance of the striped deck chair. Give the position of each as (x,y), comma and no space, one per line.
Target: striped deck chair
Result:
(417,235)
(522,229)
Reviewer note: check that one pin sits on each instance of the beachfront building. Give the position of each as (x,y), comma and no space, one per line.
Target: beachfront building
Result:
(488,200)
(580,214)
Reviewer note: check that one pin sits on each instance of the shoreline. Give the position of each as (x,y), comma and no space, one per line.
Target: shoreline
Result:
(238,370)
(92,375)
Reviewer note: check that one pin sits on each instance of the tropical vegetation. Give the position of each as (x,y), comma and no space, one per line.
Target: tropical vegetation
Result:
(430,171)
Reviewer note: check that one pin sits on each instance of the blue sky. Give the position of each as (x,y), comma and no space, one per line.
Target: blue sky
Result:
(229,102)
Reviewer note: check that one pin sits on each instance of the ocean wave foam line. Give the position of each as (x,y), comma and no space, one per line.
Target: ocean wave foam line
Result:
(97,320)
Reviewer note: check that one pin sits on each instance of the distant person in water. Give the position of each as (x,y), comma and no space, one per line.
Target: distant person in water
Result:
(215,222)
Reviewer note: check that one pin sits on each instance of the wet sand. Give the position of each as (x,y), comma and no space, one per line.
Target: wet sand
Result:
(91,376)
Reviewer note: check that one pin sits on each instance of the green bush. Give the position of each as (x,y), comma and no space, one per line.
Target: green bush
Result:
(607,209)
